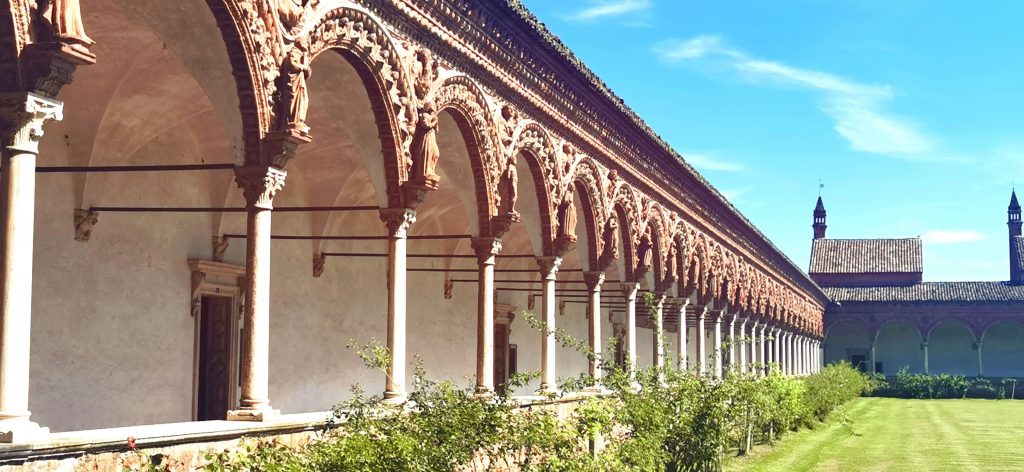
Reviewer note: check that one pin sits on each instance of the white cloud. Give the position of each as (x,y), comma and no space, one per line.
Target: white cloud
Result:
(605,8)
(941,236)
(706,162)
(856,108)
(733,195)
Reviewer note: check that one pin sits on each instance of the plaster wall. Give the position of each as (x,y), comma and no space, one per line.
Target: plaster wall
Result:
(844,337)
(899,345)
(1002,351)
(950,350)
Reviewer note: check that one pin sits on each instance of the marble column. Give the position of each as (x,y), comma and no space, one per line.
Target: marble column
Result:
(259,185)
(718,343)
(659,334)
(924,347)
(681,335)
(398,221)
(548,357)
(981,372)
(22,117)
(776,360)
(733,364)
(594,281)
(752,347)
(741,343)
(702,353)
(764,351)
(486,250)
(787,344)
(630,289)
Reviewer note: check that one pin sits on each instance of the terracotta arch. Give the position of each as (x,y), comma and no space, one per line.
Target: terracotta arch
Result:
(586,179)
(535,145)
(625,206)
(254,49)
(655,220)
(364,42)
(467,104)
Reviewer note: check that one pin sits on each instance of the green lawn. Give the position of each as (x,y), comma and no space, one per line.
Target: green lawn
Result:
(885,434)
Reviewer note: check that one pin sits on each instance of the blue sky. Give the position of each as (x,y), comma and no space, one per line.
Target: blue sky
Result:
(909,112)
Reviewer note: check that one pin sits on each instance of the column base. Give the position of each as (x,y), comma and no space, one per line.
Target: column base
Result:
(546,391)
(484,393)
(18,429)
(253,414)
(394,398)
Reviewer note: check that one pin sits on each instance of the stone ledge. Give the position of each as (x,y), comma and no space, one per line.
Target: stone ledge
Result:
(79,443)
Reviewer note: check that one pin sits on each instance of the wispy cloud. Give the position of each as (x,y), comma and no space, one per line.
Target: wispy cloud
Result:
(941,236)
(734,194)
(705,162)
(606,8)
(856,108)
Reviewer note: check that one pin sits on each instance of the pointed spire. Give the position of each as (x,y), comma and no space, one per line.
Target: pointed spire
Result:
(1014,206)
(819,220)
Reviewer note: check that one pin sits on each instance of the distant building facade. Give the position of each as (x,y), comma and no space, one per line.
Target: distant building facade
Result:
(883,316)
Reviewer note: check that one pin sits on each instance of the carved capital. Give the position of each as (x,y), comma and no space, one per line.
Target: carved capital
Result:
(549,266)
(486,249)
(594,280)
(629,290)
(398,220)
(22,117)
(84,221)
(260,184)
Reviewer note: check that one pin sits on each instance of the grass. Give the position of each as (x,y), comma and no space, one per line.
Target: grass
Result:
(886,434)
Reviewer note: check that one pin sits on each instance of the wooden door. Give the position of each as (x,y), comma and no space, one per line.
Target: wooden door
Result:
(214,359)
(501,356)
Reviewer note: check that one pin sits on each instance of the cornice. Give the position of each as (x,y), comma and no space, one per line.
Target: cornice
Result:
(514,57)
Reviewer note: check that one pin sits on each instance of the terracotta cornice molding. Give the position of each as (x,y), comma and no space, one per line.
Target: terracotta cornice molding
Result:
(452,28)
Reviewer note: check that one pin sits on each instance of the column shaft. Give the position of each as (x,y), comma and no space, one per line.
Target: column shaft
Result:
(486,250)
(742,346)
(631,347)
(702,355)
(549,272)
(681,336)
(594,281)
(718,345)
(398,222)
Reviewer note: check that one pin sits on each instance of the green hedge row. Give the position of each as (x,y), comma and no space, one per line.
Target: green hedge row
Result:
(907,385)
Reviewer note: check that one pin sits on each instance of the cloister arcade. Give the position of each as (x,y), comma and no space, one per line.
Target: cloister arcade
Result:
(989,345)
(444,176)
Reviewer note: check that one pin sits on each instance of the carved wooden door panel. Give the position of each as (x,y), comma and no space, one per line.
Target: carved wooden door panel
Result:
(214,358)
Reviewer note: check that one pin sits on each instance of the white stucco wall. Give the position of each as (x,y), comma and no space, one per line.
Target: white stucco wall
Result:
(1002,350)
(899,345)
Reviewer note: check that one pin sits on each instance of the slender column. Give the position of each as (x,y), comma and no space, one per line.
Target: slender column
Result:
(742,347)
(594,280)
(486,249)
(788,344)
(753,347)
(981,372)
(924,347)
(775,348)
(702,353)
(22,118)
(549,273)
(872,348)
(762,348)
(681,336)
(398,221)
(259,185)
(732,343)
(718,344)
(629,290)
(659,334)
